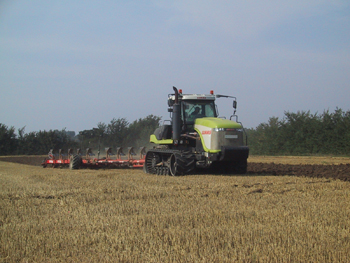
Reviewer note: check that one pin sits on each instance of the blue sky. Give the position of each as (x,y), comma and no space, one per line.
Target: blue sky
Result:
(72,64)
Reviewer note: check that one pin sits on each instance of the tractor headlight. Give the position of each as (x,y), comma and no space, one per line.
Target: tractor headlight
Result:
(239,130)
(219,129)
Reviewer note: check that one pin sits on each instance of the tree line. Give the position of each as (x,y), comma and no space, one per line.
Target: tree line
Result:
(118,133)
(302,133)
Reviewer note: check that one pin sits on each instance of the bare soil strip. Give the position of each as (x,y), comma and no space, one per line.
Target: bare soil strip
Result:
(341,171)
(30,160)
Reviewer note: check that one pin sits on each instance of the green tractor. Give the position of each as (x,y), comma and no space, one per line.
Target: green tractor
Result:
(197,139)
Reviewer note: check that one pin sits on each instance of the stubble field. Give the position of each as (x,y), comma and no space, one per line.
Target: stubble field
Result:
(273,214)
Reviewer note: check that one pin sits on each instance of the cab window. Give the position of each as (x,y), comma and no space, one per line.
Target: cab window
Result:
(198,109)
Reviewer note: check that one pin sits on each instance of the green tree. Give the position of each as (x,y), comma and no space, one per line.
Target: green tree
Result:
(303,133)
(90,138)
(336,132)
(38,143)
(140,130)
(265,138)
(117,131)
(8,142)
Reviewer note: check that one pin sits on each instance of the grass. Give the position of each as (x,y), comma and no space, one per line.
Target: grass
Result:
(58,215)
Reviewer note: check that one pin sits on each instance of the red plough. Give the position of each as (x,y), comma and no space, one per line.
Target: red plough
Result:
(57,160)
(111,160)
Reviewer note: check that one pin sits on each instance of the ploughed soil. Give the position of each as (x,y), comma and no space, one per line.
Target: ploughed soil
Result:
(338,171)
(30,160)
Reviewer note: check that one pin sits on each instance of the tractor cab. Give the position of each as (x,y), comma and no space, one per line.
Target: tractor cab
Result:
(194,106)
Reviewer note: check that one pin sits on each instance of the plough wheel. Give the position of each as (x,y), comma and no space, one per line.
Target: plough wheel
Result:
(75,162)
(44,164)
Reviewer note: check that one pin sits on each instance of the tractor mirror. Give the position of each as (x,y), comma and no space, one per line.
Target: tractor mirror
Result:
(170,110)
(235,104)
(170,103)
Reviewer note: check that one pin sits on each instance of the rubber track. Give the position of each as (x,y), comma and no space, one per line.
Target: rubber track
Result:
(185,162)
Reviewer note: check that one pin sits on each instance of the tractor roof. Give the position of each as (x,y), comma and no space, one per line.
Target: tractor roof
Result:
(193,97)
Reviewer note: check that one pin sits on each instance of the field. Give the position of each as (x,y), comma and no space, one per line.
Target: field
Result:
(295,209)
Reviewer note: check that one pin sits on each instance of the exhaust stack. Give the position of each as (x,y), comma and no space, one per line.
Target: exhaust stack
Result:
(176,123)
